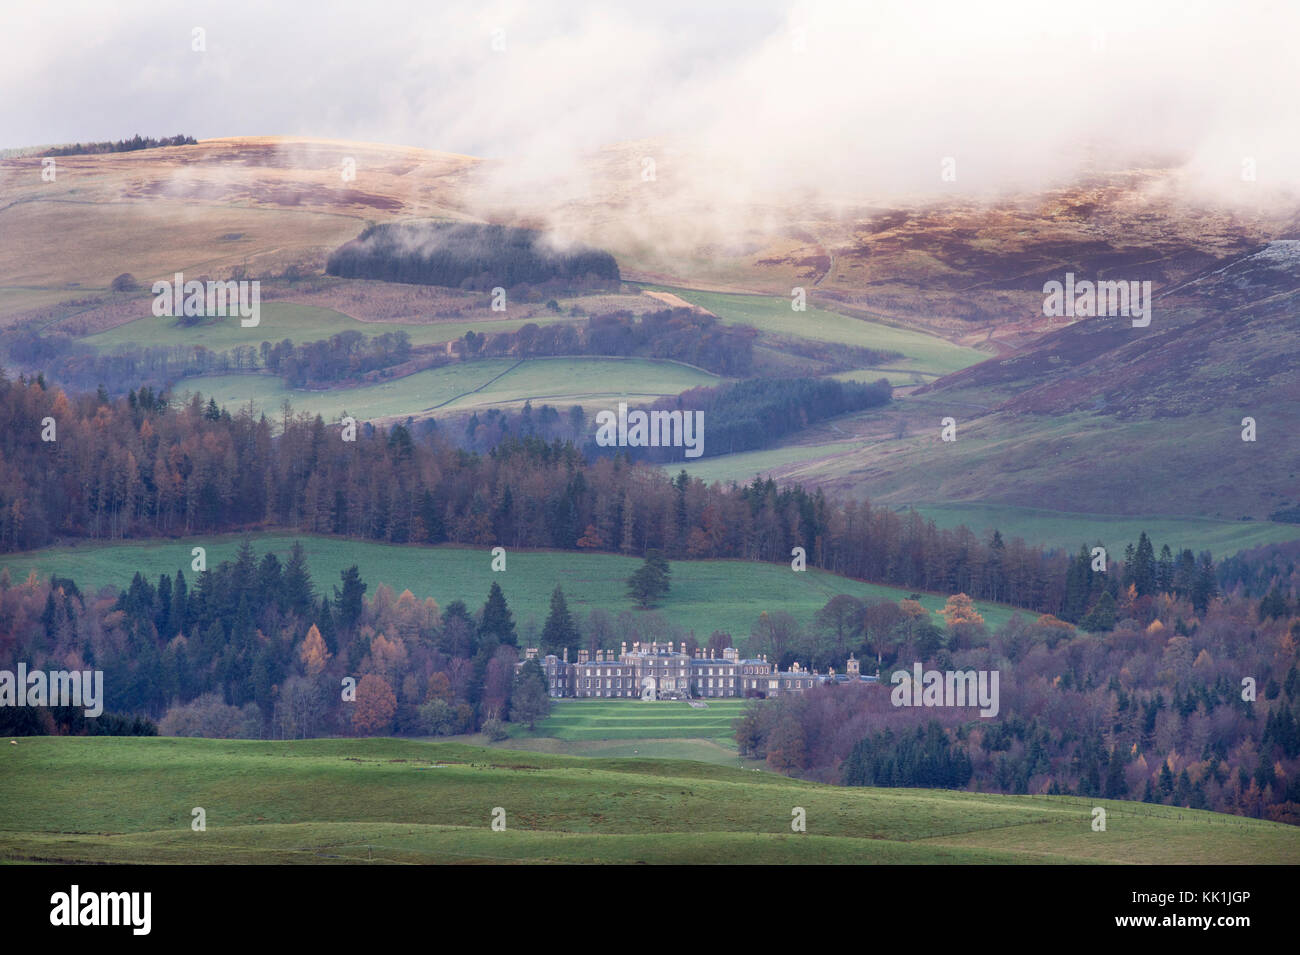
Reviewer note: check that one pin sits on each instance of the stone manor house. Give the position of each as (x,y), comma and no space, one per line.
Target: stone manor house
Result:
(658,671)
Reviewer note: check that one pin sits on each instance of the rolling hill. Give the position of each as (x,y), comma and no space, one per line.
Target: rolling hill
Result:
(706,595)
(401,801)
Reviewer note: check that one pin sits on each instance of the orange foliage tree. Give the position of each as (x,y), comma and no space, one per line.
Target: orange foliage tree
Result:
(372,713)
(313,653)
(960,609)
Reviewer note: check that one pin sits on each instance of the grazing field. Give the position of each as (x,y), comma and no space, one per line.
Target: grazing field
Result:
(1051,528)
(706,595)
(924,353)
(299,323)
(634,719)
(115,799)
(489,381)
(743,467)
(1037,526)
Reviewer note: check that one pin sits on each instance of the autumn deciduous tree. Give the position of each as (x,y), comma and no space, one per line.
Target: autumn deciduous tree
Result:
(960,609)
(439,688)
(785,749)
(372,713)
(313,653)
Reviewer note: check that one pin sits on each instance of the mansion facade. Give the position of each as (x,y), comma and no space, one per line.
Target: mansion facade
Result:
(658,671)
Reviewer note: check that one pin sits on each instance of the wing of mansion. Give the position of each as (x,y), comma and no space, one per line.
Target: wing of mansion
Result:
(668,673)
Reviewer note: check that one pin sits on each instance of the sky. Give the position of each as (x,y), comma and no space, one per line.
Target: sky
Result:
(869,94)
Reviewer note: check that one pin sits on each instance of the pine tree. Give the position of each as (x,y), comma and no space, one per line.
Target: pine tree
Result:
(1165,571)
(560,631)
(1273,605)
(349,602)
(1101,617)
(297,595)
(496,621)
(325,621)
(1206,587)
(1144,566)
(1166,781)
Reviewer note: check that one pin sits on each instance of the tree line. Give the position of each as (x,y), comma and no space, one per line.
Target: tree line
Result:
(120,146)
(757,413)
(335,359)
(678,334)
(120,469)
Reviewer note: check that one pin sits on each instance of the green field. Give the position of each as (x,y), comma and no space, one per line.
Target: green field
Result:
(743,467)
(1058,529)
(906,472)
(634,719)
(489,381)
(298,323)
(706,595)
(123,800)
(924,353)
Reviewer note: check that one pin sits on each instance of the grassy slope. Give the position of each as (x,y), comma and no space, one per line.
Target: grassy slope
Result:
(560,381)
(130,800)
(706,595)
(298,323)
(925,353)
(1221,538)
(981,464)
(742,467)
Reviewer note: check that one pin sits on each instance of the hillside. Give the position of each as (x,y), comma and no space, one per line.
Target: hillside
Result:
(706,595)
(1098,417)
(1090,418)
(390,801)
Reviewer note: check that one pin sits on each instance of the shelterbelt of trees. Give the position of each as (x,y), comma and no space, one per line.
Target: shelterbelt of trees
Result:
(680,334)
(138,467)
(739,416)
(468,255)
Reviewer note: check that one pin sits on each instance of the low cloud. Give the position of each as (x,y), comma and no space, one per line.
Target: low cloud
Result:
(737,103)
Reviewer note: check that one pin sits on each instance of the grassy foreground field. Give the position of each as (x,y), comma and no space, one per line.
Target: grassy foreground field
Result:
(113,799)
(706,595)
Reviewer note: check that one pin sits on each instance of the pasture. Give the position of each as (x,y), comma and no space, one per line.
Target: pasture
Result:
(705,595)
(462,385)
(387,801)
